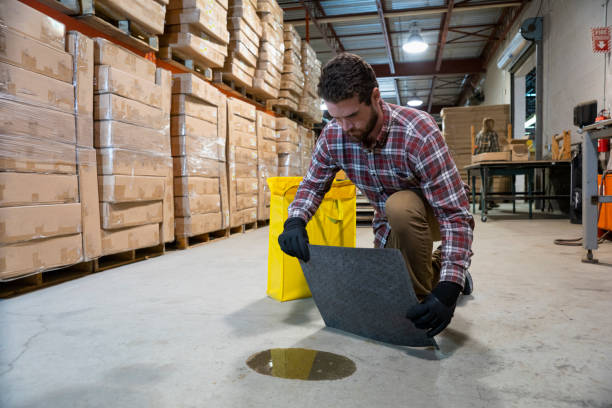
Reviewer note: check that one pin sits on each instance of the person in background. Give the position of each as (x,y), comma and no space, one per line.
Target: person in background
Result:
(398,158)
(487,141)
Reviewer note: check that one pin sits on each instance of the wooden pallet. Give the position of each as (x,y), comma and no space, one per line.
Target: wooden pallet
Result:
(123,258)
(263,223)
(241,229)
(223,81)
(365,211)
(117,26)
(200,239)
(44,279)
(181,61)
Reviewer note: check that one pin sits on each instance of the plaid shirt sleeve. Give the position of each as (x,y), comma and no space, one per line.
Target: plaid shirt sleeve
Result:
(442,187)
(316,183)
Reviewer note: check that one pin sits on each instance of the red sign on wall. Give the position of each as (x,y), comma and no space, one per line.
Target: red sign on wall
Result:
(601,39)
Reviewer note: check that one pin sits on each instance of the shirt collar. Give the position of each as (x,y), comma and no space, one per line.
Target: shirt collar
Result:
(381,138)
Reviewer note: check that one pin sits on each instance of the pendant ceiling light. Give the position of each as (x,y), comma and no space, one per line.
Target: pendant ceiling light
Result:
(415,102)
(415,43)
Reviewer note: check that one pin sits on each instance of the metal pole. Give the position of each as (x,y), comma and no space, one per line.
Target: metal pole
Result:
(539,100)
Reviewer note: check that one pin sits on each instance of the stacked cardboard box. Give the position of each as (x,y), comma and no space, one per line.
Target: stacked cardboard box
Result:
(47,163)
(310,103)
(198,129)
(146,15)
(288,148)
(132,137)
(306,147)
(456,123)
(196,33)
(267,161)
(270,63)
(242,162)
(292,79)
(245,32)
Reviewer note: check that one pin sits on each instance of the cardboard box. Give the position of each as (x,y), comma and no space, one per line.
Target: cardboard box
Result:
(121,189)
(288,136)
(82,50)
(112,80)
(240,217)
(33,23)
(185,186)
(163,78)
(286,123)
(34,56)
(29,188)
(244,155)
(199,224)
(183,4)
(181,125)
(493,156)
(132,163)
(248,140)
(287,147)
(39,255)
(121,240)
(121,215)
(290,160)
(241,124)
(241,170)
(196,166)
(148,14)
(267,146)
(204,147)
(240,49)
(188,105)
(114,107)
(27,154)
(244,201)
(38,221)
(89,197)
(206,17)
(37,89)
(110,133)
(240,72)
(168,208)
(196,87)
(108,53)
(247,186)
(197,204)
(21,119)
(245,9)
(265,120)
(520,151)
(201,50)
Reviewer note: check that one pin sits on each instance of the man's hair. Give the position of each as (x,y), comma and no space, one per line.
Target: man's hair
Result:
(345,76)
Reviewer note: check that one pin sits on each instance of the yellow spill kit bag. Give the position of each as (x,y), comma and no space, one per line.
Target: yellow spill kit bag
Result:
(334,223)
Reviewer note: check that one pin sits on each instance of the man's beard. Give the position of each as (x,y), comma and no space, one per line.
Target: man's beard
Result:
(363,136)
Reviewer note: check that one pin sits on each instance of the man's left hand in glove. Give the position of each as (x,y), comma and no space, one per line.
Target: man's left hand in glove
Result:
(436,311)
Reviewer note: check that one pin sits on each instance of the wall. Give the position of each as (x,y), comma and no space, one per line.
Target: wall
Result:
(572,72)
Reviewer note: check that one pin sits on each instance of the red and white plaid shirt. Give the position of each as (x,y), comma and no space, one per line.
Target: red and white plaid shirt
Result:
(409,154)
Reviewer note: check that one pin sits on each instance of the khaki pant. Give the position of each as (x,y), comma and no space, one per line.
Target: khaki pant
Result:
(414,228)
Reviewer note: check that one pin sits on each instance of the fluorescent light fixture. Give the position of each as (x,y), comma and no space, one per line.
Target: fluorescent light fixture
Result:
(414,102)
(530,122)
(323,106)
(415,43)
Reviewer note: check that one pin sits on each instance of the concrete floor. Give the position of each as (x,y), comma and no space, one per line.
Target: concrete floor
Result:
(175,331)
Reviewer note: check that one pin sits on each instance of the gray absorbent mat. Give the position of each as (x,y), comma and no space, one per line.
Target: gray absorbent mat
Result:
(365,291)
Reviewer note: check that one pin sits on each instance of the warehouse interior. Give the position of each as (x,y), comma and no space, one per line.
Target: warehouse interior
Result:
(149,151)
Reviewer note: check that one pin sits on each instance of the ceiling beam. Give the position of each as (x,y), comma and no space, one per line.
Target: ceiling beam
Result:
(431,91)
(443,33)
(409,12)
(450,66)
(423,30)
(398,98)
(504,25)
(315,12)
(383,24)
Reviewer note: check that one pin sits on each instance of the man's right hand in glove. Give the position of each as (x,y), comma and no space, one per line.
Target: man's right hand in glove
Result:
(294,239)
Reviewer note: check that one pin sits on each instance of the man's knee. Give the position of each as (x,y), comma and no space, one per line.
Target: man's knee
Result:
(405,206)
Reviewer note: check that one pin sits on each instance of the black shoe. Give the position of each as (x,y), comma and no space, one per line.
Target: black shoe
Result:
(468,285)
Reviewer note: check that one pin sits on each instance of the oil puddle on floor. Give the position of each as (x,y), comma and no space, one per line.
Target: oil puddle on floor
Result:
(301,364)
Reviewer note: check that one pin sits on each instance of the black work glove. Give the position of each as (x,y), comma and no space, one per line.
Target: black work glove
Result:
(436,311)
(294,239)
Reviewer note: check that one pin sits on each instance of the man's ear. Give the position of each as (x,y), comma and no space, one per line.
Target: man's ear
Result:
(375,98)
